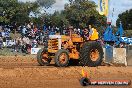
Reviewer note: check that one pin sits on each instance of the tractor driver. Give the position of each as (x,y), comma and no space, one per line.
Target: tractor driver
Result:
(93,34)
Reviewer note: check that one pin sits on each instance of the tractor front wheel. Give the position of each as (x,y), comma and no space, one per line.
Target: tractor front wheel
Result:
(42,57)
(62,58)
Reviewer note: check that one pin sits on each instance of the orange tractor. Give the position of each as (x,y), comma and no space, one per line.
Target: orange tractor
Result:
(63,48)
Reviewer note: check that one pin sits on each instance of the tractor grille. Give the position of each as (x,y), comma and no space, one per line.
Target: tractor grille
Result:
(53,44)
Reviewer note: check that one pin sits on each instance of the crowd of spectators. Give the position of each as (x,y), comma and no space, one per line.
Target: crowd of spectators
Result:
(31,36)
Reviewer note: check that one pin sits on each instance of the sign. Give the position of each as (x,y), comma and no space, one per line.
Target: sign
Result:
(110,82)
(103,7)
(35,50)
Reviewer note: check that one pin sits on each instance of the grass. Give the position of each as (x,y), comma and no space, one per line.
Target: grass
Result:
(8,52)
(128,33)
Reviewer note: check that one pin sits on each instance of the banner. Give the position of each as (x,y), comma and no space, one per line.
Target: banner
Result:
(103,7)
(35,50)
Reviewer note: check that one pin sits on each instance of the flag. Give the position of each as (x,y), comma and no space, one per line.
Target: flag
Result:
(103,7)
(84,74)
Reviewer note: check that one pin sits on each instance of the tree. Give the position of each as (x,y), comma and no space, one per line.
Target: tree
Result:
(126,19)
(14,11)
(83,12)
(45,3)
(7,7)
(22,15)
(59,19)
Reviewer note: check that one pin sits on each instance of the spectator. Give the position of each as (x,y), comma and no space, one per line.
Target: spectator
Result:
(4,41)
(13,45)
(31,23)
(7,34)
(18,44)
(26,45)
(44,28)
(34,44)
(24,30)
(0,33)
(79,31)
(35,29)
(8,41)
(3,33)
(1,42)
(52,32)
(45,40)
(86,34)
(0,27)
(19,29)
(33,33)
(57,29)
(39,37)
(14,27)
(29,26)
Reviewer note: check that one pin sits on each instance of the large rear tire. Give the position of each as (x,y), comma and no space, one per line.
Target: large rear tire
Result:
(91,54)
(62,58)
(42,57)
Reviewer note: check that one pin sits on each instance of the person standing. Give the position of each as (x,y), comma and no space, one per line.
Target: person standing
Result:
(24,30)
(1,42)
(17,44)
(4,41)
(14,27)
(13,45)
(28,46)
(86,34)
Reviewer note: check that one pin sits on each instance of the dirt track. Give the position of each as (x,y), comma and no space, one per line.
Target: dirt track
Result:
(24,72)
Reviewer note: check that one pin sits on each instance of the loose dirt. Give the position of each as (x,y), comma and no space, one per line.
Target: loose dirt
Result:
(25,72)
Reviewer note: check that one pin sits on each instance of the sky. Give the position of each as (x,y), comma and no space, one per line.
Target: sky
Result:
(118,5)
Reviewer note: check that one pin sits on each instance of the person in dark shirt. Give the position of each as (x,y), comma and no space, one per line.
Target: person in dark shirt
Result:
(1,42)
(0,34)
(14,27)
(85,34)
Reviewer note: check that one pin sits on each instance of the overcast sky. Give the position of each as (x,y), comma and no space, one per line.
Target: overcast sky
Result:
(118,5)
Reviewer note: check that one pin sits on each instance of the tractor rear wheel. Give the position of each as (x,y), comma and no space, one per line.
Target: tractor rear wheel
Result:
(91,54)
(62,58)
(42,57)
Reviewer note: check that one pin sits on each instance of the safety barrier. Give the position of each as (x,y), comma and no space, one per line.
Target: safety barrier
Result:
(129,55)
(118,55)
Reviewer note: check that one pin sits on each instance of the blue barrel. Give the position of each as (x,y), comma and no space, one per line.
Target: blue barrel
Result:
(108,53)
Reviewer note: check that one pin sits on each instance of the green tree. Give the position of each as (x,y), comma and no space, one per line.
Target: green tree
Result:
(59,19)
(7,7)
(45,3)
(83,12)
(14,11)
(23,11)
(126,19)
